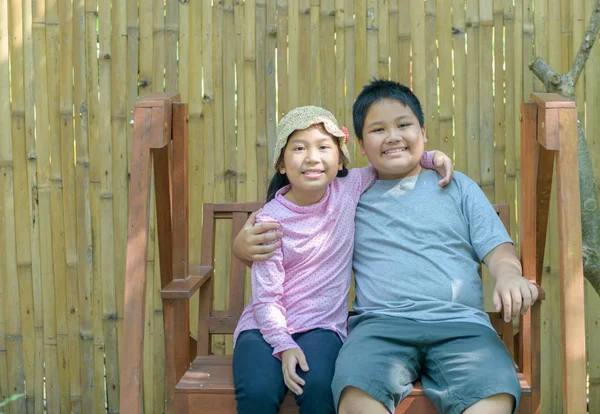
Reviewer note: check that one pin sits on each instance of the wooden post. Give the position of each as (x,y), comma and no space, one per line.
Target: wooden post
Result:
(152,129)
(557,129)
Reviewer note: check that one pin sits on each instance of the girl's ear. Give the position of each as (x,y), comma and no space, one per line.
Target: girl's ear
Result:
(281,167)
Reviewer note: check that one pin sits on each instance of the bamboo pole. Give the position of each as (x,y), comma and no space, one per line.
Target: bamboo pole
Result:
(53,37)
(431,107)
(460,84)
(262,172)
(304,53)
(486,102)
(578,21)
(83,213)
(158,45)
(120,132)
(133,45)
(517,87)
(372,53)
(171,37)
(42,149)
(360,51)
(294,55)
(393,39)
(221,284)
(183,70)
(444,31)
(94,136)
(17,340)
(340,74)
(566,36)
(540,21)
(473,62)
(282,58)
(328,54)
(349,63)
(383,35)
(499,151)
(271,86)
(250,98)
(419,51)
(510,114)
(404,41)
(107,252)
(315,82)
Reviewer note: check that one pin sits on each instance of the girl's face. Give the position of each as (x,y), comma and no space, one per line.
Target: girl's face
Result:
(311,160)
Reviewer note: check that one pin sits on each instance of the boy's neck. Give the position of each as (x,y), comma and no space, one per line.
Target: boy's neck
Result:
(304,198)
(412,173)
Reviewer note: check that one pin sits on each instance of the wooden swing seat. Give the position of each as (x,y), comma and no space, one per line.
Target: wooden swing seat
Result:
(198,381)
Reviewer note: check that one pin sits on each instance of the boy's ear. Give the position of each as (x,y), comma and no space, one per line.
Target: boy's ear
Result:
(424,129)
(362,146)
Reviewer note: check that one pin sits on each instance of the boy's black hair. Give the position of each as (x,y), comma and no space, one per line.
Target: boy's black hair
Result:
(280,180)
(378,90)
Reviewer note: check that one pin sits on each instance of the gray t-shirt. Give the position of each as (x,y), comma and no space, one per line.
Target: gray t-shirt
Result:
(417,248)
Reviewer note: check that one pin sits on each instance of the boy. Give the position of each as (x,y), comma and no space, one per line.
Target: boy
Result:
(418,293)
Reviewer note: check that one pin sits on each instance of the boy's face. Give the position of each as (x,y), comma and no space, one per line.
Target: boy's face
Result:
(393,140)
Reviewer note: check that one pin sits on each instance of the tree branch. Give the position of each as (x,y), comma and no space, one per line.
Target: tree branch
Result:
(591,33)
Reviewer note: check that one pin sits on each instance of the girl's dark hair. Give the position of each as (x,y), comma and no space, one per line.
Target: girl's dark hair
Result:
(280,180)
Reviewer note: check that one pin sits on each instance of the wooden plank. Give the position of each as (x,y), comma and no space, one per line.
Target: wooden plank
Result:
(592,328)
(460,84)
(158,45)
(360,39)
(572,293)
(473,96)
(528,231)
(176,350)
(133,45)
(183,70)
(293,84)
(229,101)
(207,292)
(137,254)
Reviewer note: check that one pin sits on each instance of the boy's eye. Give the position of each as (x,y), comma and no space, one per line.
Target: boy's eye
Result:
(378,130)
(403,125)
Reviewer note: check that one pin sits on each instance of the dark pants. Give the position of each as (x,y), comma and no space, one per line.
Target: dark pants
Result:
(259,386)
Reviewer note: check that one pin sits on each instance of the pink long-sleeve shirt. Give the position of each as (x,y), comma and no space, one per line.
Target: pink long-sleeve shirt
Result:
(305,284)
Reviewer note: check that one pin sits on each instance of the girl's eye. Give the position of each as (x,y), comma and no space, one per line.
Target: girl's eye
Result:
(297,149)
(324,147)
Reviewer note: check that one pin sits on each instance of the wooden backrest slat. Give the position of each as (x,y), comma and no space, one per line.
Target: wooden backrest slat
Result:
(237,277)
(207,292)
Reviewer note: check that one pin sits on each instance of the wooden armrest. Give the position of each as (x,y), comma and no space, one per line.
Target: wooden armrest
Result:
(185,288)
(541,293)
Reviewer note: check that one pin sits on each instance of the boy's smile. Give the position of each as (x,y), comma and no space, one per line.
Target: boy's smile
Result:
(393,140)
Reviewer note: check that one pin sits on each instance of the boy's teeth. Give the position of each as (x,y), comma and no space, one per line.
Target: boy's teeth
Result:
(395,150)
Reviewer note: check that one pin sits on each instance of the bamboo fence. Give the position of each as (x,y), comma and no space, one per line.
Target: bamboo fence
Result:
(71,71)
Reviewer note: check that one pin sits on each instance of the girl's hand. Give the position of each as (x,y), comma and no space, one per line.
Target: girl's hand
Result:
(444,167)
(254,243)
(289,359)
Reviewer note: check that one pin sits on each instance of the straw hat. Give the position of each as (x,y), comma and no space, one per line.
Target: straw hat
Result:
(303,117)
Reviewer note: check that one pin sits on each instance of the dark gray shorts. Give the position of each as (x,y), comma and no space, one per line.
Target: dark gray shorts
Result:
(457,363)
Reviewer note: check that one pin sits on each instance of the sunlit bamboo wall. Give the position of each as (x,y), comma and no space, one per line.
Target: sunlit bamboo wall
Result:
(71,71)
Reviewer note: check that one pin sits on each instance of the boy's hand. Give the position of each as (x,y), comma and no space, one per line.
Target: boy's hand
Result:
(515,294)
(444,167)
(254,243)
(289,359)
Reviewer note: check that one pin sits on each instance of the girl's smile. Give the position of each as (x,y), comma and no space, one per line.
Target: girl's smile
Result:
(311,160)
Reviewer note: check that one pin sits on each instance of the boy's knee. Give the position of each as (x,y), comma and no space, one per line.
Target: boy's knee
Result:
(355,401)
(494,404)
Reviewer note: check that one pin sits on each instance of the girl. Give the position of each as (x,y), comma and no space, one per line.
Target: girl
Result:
(298,310)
